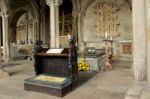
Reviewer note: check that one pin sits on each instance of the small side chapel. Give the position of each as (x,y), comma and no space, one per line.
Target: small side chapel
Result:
(102,32)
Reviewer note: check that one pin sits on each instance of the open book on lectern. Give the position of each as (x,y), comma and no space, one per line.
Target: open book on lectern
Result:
(58,51)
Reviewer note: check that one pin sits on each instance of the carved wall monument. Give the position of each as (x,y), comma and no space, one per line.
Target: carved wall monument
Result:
(107,20)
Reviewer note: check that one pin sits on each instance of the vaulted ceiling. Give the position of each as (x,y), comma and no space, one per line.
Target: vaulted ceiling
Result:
(16,3)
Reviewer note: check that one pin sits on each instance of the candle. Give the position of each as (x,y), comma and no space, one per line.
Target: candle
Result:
(84,39)
(106,35)
(69,36)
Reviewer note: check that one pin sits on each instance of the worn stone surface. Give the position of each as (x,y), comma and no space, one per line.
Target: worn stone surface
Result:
(135,90)
(145,94)
(3,74)
(103,85)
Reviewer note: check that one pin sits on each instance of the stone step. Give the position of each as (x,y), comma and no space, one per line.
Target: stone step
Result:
(123,63)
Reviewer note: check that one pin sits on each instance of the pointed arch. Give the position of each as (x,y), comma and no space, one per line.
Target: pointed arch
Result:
(4,5)
(34,8)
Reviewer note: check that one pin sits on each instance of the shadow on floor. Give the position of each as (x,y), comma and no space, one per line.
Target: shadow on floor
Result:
(84,76)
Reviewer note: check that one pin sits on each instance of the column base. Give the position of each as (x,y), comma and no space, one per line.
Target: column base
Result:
(7,60)
(138,90)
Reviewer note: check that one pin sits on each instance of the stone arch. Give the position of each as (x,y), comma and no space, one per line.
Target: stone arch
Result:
(75,4)
(36,15)
(3,5)
(16,16)
(86,4)
(34,8)
(13,22)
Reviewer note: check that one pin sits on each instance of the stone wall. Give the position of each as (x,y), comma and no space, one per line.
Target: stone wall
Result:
(22,30)
(125,28)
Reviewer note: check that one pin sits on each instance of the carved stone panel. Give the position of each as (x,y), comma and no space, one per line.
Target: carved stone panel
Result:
(107,20)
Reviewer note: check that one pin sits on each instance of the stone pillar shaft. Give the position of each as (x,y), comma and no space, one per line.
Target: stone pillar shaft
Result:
(52,27)
(0,41)
(148,40)
(6,52)
(139,38)
(57,26)
(34,31)
(54,22)
(80,31)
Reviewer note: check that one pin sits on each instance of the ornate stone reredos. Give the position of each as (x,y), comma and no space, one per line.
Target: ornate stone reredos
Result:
(54,2)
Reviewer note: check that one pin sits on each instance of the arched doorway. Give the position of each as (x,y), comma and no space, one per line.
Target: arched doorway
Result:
(24,28)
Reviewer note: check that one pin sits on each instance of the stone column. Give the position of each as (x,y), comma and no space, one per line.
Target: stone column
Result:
(38,28)
(57,25)
(148,40)
(34,31)
(54,22)
(5,24)
(80,31)
(0,40)
(139,38)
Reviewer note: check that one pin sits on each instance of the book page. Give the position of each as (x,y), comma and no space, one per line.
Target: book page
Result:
(54,50)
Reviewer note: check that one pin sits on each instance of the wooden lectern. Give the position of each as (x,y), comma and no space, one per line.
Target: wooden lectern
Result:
(56,73)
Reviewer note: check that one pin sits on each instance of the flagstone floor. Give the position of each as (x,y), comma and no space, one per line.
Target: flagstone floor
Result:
(103,85)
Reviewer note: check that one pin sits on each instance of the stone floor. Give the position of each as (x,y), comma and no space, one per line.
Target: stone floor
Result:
(103,85)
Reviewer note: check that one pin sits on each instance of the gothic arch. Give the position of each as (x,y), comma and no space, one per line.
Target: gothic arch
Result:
(4,5)
(34,8)
(86,4)
(13,22)
(75,4)
(16,14)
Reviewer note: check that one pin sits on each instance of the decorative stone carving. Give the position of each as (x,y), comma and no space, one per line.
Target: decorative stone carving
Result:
(4,14)
(107,20)
(54,2)
(4,5)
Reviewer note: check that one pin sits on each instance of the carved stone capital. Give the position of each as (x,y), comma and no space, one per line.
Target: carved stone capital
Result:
(4,13)
(75,12)
(54,2)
